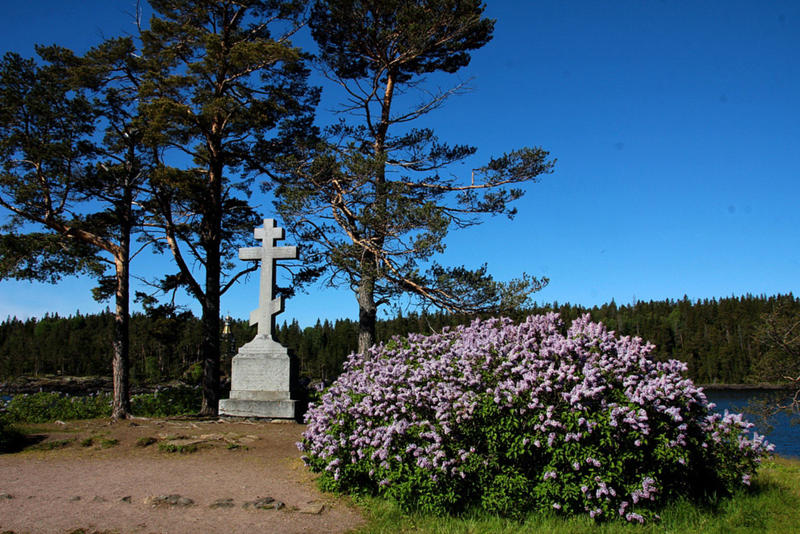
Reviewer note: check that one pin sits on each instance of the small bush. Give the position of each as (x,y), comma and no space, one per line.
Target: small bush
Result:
(167,402)
(528,418)
(46,407)
(194,374)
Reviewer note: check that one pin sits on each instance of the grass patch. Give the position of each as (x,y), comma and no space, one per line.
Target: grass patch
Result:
(52,445)
(772,505)
(107,443)
(146,441)
(87,442)
(182,449)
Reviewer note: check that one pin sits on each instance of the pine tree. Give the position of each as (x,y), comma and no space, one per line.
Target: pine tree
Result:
(778,332)
(56,172)
(372,200)
(222,95)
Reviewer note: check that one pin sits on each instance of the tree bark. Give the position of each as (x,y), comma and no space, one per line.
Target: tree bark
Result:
(367,313)
(210,345)
(121,407)
(210,350)
(367,308)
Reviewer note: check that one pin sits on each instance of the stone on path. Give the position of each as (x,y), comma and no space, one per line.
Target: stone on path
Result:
(169,500)
(222,503)
(312,508)
(264,503)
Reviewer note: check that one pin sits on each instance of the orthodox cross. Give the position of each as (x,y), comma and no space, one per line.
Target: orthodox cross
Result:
(268,253)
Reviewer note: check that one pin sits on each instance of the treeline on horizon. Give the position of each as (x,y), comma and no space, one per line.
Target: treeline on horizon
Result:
(716,338)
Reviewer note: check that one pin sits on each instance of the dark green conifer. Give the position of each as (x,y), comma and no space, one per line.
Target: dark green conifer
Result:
(224,92)
(374,202)
(74,168)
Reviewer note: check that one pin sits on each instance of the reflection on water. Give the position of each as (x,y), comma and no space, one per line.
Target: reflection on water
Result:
(779,428)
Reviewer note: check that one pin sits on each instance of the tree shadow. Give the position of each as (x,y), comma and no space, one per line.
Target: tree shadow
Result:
(13,440)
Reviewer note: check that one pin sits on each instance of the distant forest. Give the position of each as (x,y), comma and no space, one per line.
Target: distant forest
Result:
(716,338)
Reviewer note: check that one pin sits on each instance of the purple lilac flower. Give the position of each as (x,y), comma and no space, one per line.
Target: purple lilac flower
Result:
(408,403)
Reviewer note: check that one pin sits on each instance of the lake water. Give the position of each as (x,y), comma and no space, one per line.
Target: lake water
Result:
(779,428)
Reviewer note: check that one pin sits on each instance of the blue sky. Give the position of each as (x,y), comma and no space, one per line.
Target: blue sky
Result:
(676,126)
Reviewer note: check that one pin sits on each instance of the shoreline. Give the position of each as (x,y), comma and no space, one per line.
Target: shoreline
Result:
(748,387)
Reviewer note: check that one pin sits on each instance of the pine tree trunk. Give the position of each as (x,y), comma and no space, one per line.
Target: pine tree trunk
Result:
(367,313)
(121,406)
(210,346)
(367,308)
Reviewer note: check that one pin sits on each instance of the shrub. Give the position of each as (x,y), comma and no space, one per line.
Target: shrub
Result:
(166,402)
(194,374)
(517,419)
(44,407)
(47,407)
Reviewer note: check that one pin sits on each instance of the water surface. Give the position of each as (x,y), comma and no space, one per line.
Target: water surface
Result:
(782,429)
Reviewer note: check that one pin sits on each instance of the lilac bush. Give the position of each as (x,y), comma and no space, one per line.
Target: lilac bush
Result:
(521,418)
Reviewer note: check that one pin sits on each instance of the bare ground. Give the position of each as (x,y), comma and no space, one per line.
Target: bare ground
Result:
(79,477)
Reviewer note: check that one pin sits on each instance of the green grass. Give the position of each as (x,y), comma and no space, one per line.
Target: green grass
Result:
(51,445)
(106,443)
(772,505)
(146,441)
(182,449)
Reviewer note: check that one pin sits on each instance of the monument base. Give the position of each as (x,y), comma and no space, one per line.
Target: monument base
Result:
(261,381)
(275,409)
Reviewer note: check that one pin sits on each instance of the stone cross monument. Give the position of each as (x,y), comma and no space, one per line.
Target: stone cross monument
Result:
(261,372)
(268,253)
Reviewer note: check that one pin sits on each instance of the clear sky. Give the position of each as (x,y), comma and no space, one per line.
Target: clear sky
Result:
(676,126)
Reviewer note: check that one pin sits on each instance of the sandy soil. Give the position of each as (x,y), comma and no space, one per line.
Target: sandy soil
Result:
(66,482)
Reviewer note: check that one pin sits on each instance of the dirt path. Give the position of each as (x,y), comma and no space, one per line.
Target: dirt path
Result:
(69,482)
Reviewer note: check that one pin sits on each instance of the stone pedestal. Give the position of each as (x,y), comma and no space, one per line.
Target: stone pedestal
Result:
(261,381)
